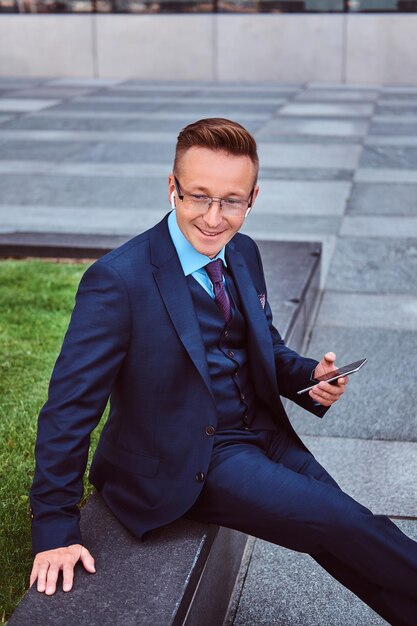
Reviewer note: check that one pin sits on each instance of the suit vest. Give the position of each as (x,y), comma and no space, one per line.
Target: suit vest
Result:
(237,403)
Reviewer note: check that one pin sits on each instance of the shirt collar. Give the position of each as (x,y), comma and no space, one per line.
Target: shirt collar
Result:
(190,259)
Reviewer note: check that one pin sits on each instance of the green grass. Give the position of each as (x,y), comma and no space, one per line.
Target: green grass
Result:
(36,299)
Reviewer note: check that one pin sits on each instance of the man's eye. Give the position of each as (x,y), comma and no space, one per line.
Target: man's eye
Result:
(199,198)
(233,201)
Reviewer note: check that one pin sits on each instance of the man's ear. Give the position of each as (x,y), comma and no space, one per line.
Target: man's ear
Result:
(254,196)
(171,190)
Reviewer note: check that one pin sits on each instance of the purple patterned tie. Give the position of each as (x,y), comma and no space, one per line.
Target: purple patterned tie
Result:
(214,270)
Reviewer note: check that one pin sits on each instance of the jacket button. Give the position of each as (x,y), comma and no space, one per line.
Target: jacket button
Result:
(199,477)
(210,430)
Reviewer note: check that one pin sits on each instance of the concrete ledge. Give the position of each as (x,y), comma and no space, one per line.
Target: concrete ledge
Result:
(184,573)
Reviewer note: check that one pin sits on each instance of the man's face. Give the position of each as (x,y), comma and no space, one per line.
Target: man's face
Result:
(215,174)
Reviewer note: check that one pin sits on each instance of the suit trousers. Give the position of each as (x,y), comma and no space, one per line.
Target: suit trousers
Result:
(266,484)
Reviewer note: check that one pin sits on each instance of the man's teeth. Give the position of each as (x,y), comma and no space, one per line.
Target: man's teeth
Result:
(209,234)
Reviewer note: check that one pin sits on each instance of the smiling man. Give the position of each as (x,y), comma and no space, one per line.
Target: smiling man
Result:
(175,327)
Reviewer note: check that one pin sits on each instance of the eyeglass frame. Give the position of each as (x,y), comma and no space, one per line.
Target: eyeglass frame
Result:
(213,198)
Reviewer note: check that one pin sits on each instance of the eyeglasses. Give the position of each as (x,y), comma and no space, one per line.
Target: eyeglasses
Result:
(232,207)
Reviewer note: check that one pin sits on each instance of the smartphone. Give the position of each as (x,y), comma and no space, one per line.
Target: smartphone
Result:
(334,375)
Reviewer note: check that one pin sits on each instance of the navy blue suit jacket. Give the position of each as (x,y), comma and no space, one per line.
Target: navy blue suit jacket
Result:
(134,336)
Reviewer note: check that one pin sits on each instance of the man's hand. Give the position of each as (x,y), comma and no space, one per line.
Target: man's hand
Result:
(327,394)
(48,564)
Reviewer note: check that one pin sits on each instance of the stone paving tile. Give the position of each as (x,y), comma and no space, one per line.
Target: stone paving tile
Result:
(107,221)
(377,226)
(345,87)
(380,401)
(359,310)
(374,265)
(244,95)
(119,170)
(81,124)
(399,109)
(22,105)
(318,127)
(306,139)
(197,110)
(5,118)
(327,110)
(88,136)
(23,81)
(123,93)
(378,474)
(42,150)
(101,152)
(336,95)
(294,225)
(383,199)
(83,82)
(398,89)
(115,107)
(390,141)
(25,167)
(52,93)
(291,198)
(306,173)
(290,589)
(84,191)
(305,155)
(392,129)
(385,175)
(394,119)
(398,100)
(389,157)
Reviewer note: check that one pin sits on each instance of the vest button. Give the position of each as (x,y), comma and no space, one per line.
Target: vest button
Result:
(226,332)
(210,430)
(199,477)
(242,396)
(231,353)
(235,373)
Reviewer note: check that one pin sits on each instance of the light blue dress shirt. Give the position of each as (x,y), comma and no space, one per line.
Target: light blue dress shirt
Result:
(192,262)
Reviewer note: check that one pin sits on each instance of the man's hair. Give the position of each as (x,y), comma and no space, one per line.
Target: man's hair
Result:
(218,134)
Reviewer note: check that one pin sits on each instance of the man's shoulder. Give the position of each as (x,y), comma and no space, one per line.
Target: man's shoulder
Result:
(245,245)
(134,251)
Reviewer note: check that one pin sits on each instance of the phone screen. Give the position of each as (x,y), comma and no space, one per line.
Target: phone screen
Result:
(341,371)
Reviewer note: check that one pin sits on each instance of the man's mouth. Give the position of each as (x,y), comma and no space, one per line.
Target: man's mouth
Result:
(209,233)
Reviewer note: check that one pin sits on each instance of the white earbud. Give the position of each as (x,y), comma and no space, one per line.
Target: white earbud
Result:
(173,200)
(248,210)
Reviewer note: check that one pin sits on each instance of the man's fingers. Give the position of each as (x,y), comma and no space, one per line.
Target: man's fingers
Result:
(68,575)
(51,579)
(326,394)
(42,574)
(33,573)
(330,357)
(87,560)
(48,564)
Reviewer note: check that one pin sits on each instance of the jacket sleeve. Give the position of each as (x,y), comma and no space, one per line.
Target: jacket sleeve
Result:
(92,352)
(293,372)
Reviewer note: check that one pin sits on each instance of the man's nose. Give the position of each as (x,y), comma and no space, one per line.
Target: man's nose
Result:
(213,215)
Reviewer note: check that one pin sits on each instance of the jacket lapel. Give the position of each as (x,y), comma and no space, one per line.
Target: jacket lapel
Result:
(172,285)
(260,348)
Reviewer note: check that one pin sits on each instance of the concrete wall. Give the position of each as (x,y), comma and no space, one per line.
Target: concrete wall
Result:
(290,48)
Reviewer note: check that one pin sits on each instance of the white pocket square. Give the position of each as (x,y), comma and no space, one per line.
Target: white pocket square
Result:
(262,299)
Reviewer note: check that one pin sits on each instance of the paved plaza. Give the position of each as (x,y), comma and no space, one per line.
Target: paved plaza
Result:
(339,166)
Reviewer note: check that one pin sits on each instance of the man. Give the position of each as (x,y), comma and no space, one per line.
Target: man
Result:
(175,326)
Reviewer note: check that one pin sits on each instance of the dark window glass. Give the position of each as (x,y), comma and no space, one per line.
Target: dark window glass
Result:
(207,6)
